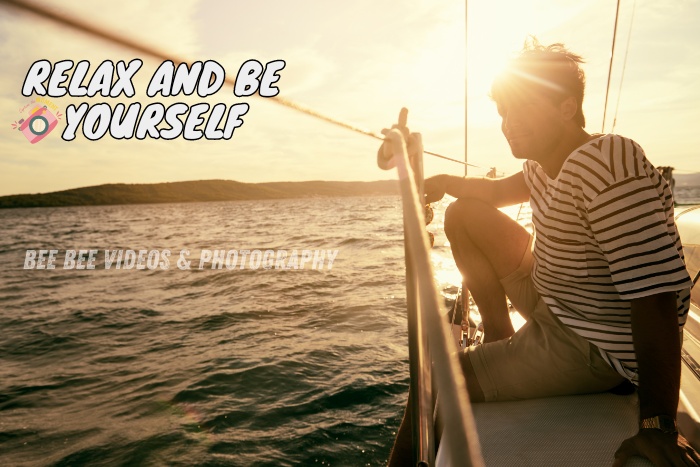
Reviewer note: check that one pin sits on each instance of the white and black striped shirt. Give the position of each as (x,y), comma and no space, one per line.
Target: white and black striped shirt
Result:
(605,234)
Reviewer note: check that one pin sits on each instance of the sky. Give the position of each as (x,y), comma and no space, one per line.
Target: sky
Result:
(357,62)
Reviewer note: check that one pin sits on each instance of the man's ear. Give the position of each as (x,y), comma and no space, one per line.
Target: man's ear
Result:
(568,108)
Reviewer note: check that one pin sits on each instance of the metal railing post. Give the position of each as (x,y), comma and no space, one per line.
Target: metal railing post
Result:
(419,356)
(460,437)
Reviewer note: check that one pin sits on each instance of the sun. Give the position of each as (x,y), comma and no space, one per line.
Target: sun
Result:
(497,31)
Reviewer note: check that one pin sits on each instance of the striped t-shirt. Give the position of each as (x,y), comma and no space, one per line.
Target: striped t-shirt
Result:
(605,234)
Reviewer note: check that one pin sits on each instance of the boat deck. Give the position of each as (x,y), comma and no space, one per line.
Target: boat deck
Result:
(583,430)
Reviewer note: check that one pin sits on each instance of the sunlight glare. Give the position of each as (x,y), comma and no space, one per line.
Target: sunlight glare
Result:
(497,30)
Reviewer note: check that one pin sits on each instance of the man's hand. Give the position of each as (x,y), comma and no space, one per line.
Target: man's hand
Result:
(663,449)
(435,188)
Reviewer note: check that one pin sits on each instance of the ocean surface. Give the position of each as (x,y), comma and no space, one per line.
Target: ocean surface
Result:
(239,367)
(192,367)
(687,194)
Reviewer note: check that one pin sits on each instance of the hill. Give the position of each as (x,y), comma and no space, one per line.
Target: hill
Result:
(196,191)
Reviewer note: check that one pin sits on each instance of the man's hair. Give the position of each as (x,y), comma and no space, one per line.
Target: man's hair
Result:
(549,70)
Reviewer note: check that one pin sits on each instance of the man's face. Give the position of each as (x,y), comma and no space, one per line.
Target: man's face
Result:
(532,124)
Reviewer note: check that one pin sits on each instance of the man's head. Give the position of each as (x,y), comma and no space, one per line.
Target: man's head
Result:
(539,97)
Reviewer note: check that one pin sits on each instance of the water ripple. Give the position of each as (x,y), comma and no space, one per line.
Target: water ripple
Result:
(204,367)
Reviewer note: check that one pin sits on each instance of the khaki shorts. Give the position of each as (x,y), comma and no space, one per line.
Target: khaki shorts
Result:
(544,358)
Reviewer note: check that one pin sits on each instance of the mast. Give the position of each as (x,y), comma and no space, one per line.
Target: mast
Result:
(466,111)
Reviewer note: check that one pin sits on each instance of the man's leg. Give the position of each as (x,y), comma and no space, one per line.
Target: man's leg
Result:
(487,246)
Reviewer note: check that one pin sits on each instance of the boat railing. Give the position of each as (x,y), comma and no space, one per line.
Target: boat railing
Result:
(428,337)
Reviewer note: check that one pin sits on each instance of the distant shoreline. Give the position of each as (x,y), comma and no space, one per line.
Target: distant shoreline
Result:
(196,191)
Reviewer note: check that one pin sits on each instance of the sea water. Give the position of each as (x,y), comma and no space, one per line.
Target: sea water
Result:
(204,367)
(229,367)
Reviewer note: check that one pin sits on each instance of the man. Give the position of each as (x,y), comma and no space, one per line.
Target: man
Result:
(604,288)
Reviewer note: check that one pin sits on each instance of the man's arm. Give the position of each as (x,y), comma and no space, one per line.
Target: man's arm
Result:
(497,192)
(658,349)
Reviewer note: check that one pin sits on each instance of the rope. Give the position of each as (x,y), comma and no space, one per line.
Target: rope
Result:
(612,55)
(161,55)
(466,75)
(624,66)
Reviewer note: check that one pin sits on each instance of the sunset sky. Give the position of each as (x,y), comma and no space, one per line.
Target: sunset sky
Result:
(358,62)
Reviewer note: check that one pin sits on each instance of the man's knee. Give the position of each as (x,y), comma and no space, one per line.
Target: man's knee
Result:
(464,213)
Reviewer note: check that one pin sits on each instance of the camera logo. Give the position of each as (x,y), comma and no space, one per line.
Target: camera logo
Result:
(40,122)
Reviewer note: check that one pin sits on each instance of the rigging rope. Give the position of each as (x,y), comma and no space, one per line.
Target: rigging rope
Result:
(159,54)
(466,75)
(624,66)
(612,55)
